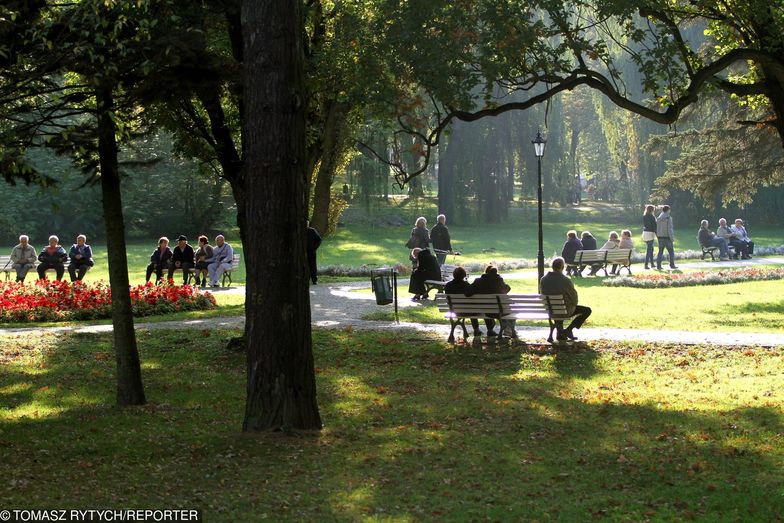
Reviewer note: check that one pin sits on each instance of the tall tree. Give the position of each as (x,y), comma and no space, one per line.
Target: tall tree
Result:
(281,391)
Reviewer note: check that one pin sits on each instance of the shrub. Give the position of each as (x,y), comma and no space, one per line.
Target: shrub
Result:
(48,300)
(662,280)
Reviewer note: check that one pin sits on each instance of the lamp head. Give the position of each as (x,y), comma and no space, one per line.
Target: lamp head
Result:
(539,144)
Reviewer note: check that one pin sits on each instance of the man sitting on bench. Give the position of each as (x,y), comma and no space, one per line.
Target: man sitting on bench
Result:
(492,283)
(554,282)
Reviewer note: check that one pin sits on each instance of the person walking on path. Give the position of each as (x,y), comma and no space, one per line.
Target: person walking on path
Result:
(649,234)
(554,283)
(313,243)
(420,238)
(23,258)
(665,233)
(439,237)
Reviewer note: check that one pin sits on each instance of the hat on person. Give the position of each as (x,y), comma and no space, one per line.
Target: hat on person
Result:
(182,237)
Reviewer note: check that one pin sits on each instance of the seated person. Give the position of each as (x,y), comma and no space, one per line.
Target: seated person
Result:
(708,239)
(624,243)
(81,256)
(724,231)
(159,260)
(589,244)
(427,269)
(23,258)
(182,258)
(203,253)
(53,256)
(459,285)
(555,283)
(220,261)
(743,238)
(569,250)
(492,283)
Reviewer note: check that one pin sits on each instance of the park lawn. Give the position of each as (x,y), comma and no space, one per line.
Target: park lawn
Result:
(415,430)
(736,307)
(355,245)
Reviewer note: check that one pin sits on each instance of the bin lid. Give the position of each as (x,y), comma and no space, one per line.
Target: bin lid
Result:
(383,270)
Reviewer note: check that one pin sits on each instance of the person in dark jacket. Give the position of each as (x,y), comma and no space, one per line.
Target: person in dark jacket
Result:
(203,253)
(492,283)
(589,244)
(649,234)
(570,248)
(81,256)
(439,237)
(53,256)
(555,282)
(159,259)
(427,269)
(313,243)
(459,285)
(182,258)
(420,238)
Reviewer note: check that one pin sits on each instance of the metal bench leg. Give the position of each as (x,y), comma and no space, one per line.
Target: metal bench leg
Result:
(465,331)
(454,323)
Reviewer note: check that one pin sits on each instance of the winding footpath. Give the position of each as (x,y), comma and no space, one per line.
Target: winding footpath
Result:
(342,306)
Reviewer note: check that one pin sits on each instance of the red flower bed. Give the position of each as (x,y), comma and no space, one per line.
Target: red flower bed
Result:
(51,300)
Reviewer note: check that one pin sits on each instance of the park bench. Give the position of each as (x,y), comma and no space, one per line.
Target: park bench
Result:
(457,308)
(711,251)
(8,268)
(602,258)
(446,276)
(235,263)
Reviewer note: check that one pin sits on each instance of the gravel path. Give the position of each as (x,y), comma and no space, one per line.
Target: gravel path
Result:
(342,306)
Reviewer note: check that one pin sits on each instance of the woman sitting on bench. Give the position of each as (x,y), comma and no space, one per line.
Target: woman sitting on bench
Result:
(427,269)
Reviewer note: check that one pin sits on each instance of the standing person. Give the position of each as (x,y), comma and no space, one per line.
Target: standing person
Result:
(648,234)
(159,260)
(708,239)
(313,243)
(182,258)
(81,256)
(23,258)
(420,238)
(439,237)
(554,283)
(492,283)
(569,250)
(220,261)
(665,233)
(202,254)
(427,268)
(53,256)
(743,238)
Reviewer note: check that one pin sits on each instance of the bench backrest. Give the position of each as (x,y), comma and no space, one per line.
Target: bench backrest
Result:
(235,262)
(619,255)
(522,306)
(5,261)
(590,256)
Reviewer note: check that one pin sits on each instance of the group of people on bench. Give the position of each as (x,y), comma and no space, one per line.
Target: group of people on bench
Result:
(209,261)
(552,283)
(52,256)
(734,236)
(587,242)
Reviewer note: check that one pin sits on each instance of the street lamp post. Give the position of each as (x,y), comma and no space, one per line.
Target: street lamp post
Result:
(539,143)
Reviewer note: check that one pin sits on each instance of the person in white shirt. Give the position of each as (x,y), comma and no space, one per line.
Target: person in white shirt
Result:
(742,236)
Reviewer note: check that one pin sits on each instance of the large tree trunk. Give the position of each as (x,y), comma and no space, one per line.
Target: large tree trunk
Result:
(332,157)
(130,390)
(281,391)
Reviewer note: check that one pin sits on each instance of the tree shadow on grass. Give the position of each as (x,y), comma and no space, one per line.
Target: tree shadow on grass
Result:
(413,431)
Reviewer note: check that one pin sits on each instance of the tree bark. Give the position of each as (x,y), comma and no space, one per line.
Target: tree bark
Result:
(281,389)
(332,155)
(130,390)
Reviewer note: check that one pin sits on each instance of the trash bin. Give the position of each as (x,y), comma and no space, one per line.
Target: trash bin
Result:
(381,280)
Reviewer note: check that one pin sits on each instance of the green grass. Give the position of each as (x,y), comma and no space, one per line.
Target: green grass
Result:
(415,430)
(737,307)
